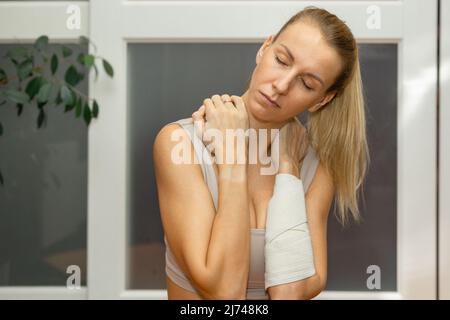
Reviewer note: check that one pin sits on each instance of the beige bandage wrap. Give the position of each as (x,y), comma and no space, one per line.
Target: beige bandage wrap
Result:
(288,248)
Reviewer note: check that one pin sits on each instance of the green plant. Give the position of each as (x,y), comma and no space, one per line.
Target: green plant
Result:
(39,84)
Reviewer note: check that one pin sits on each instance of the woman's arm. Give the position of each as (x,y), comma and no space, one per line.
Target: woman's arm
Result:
(318,202)
(229,248)
(212,248)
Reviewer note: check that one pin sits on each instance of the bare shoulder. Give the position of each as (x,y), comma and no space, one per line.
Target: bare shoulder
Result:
(171,143)
(167,137)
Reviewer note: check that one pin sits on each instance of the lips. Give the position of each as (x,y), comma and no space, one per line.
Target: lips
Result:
(273,102)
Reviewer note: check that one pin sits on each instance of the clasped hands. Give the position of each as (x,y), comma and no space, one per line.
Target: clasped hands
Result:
(221,113)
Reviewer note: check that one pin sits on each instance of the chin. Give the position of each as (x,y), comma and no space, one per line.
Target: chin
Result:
(260,113)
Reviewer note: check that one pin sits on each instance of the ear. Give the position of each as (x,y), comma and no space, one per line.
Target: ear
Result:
(327,98)
(263,47)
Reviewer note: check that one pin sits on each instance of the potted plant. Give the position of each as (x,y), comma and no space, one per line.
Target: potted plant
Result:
(38,84)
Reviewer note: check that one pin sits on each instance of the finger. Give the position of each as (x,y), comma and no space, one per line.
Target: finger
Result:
(217,100)
(239,103)
(195,115)
(199,113)
(227,101)
(210,108)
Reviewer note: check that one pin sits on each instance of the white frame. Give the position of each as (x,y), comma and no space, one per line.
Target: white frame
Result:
(444,153)
(159,21)
(114,23)
(41,18)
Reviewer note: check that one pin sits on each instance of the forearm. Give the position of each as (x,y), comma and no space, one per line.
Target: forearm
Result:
(229,248)
(290,272)
(305,289)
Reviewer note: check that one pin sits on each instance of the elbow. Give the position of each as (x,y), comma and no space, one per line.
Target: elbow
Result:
(223,292)
(230,293)
(305,289)
(229,296)
(304,295)
(225,295)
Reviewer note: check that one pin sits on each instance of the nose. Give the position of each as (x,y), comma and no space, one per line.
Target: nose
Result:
(283,82)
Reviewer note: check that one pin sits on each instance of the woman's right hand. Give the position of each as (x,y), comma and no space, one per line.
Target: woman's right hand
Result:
(213,119)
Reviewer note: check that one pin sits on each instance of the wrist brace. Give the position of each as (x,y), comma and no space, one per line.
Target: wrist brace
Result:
(288,248)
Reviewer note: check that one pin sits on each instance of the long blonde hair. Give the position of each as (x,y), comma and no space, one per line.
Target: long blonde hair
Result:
(337,131)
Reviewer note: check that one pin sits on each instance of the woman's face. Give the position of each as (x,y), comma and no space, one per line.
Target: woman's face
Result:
(295,83)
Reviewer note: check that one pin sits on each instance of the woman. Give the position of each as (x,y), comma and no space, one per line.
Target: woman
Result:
(216,216)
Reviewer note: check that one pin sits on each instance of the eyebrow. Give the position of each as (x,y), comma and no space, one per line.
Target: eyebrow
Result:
(306,73)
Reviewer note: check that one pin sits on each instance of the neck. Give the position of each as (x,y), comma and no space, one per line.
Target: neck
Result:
(264,127)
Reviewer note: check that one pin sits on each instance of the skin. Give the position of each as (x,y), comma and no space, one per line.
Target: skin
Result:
(285,84)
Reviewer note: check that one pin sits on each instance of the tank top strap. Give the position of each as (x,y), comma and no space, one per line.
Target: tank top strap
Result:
(309,166)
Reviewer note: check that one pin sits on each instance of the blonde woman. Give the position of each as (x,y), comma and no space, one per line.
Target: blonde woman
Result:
(232,232)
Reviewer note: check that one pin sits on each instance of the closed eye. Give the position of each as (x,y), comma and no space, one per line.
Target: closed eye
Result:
(284,64)
(280,62)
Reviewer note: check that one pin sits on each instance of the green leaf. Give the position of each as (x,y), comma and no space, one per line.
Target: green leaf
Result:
(54,63)
(88,60)
(74,100)
(66,51)
(24,69)
(17,53)
(86,40)
(1,129)
(87,113)
(80,59)
(41,104)
(44,92)
(79,107)
(41,43)
(41,118)
(33,86)
(19,109)
(3,77)
(69,107)
(16,96)
(108,68)
(72,76)
(66,95)
(95,109)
